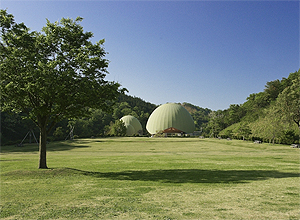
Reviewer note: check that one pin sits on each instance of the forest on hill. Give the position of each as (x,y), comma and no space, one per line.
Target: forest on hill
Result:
(270,116)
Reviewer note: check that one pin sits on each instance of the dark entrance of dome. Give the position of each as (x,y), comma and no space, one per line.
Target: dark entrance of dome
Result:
(172,130)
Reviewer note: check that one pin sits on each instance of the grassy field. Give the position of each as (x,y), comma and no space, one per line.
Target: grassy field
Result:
(151,178)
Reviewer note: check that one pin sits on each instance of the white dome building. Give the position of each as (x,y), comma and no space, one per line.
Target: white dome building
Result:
(170,118)
(132,124)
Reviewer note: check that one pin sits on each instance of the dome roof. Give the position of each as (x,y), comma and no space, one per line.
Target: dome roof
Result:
(170,118)
(132,124)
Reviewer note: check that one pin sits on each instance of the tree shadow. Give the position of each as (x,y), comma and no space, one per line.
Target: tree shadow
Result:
(192,175)
(64,147)
(59,146)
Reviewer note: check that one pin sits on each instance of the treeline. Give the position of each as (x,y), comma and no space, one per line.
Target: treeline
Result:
(270,116)
(99,124)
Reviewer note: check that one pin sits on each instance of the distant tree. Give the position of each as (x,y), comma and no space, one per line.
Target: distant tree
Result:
(93,125)
(52,75)
(243,130)
(234,114)
(255,105)
(288,102)
(272,89)
(215,124)
(228,133)
(117,129)
(271,126)
(201,119)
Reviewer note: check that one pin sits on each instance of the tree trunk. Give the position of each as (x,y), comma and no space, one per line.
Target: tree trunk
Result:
(42,148)
(299,131)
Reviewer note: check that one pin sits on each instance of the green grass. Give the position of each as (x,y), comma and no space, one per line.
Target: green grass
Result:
(151,178)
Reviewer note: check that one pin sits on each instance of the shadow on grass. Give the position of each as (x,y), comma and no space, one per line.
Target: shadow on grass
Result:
(192,175)
(55,146)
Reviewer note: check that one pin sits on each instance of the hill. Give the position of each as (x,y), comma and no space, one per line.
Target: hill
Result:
(272,115)
(200,116)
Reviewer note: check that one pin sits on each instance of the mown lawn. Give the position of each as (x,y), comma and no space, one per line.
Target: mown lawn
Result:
(151,178)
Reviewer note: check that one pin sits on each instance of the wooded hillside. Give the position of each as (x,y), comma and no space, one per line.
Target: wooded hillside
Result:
(272,115)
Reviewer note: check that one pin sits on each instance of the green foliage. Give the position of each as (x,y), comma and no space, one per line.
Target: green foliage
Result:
(52,75)
(14,128)
(243,130)
(138,108)
(273,89)
(59,134)
(55,73)
(216,123)
(200,116)
(289,136)
(270,127)
(288,102)
(117,129)
(271,115)
(94,125)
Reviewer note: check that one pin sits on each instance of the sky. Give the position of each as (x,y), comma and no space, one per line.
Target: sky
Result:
(208,53)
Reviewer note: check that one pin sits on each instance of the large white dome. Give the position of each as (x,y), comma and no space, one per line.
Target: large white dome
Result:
(170,118)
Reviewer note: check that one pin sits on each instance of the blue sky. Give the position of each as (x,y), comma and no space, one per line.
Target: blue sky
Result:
(208,53)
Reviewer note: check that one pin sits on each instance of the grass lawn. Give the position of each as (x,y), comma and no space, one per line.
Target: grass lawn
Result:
(151,178)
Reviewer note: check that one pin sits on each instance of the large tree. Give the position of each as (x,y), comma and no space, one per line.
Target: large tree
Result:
(53,74)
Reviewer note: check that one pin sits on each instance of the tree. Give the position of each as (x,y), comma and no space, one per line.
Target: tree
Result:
(117,129)
(243,130)
(272,89)
(234,114)
(288,102)
(255,105)
(271,126)
(216,123)
(52,75)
